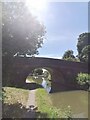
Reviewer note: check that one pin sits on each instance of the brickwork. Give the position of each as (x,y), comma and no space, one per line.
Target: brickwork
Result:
(63,72)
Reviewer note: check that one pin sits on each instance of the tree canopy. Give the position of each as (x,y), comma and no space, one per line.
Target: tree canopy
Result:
(83,46)
(68,55)
(22,33)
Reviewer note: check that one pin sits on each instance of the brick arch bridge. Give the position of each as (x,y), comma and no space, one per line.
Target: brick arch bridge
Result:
(63,72)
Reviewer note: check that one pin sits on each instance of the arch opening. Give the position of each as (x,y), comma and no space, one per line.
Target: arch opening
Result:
(41,76)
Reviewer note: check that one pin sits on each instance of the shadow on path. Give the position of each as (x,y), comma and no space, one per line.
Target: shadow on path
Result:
(28,86)
(18,111)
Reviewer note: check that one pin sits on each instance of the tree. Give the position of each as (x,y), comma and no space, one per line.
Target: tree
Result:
(83,47)
(68,55)
(38,71)
(22,33)
(83,78)
(85,53)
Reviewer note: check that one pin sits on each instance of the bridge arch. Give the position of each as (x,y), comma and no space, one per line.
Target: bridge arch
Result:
(37,75)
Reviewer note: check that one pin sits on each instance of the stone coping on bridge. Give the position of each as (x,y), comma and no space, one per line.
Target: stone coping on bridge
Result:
(53,60)
(47,58)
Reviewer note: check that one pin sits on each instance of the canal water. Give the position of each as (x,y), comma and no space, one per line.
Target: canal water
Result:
(77,100)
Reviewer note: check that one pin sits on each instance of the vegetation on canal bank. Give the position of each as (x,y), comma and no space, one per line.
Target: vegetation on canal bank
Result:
(14,102)
(14,95)
(45,106)
(84,79)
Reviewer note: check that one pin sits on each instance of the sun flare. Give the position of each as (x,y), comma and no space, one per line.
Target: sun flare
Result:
(36,5)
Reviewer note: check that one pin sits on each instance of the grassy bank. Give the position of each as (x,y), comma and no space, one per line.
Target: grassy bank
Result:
(14,102)
(14,95)
(45,106)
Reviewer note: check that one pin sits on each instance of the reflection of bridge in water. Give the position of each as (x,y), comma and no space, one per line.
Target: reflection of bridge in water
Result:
(62,72)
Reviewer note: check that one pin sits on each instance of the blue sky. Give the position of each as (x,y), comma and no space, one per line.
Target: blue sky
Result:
(64,22)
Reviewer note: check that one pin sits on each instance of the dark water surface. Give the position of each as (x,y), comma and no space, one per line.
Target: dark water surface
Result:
(77,100)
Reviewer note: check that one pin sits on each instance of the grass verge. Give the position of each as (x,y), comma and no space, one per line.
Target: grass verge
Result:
(45,106)
(14,102)
(14,95)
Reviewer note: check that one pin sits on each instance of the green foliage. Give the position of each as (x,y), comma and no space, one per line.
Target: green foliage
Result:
(47,75)
(83,78)
(85,52)
(2,94)
(45,105)
(22,33)
(72,59)
(68,55)
(38,71)
(83,47)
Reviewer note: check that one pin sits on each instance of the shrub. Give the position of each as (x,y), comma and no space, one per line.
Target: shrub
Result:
(83,78)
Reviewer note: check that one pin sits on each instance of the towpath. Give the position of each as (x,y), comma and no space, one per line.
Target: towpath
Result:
(30,102)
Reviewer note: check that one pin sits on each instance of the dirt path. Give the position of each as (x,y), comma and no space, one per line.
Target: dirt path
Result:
(31,98)
(30,102)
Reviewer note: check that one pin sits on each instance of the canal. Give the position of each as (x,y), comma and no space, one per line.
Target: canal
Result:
(77,100)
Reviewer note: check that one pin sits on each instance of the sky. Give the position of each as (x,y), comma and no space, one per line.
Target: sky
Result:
(64,22)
